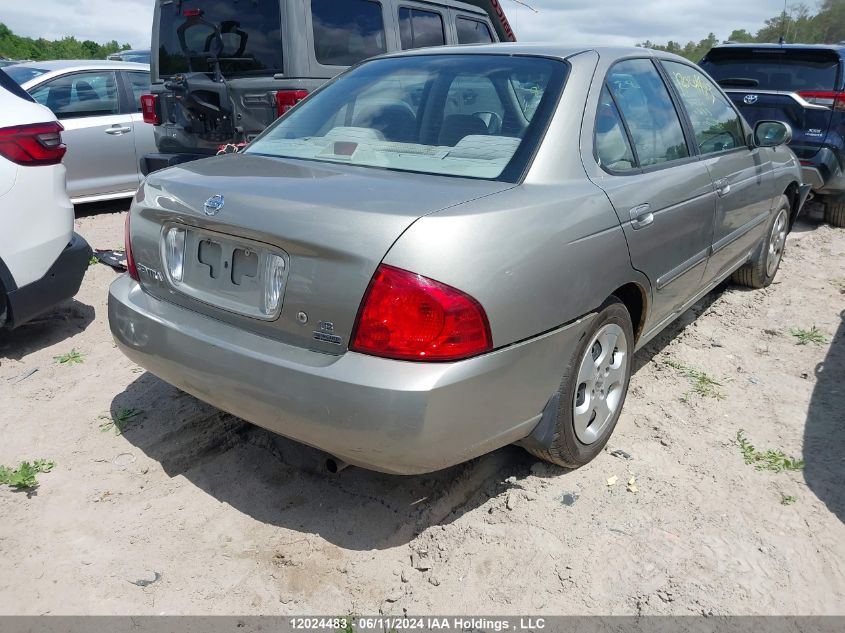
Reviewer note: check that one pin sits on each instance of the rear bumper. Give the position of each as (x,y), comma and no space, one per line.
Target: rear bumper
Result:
(396,417)
(61,282)
(154,162)
(824,173)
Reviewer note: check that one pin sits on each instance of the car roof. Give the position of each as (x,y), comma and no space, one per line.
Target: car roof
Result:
(839,48)
(539,49)
(83,64)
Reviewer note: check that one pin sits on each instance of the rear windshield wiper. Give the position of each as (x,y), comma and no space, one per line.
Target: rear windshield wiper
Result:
(745,82)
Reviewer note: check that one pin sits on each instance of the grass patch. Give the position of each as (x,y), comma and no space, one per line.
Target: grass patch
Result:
(702,384)
(118,422)
(775,461)
(787,500)
(24,477)
(93,260)
(73,357)
(813,335)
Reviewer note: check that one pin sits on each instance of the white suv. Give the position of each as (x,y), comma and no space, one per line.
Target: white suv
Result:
(42,261)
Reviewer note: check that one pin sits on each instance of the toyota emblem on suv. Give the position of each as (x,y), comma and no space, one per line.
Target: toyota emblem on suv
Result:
(214,204)
(750,99)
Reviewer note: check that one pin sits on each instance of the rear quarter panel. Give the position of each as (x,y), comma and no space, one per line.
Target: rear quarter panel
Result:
(536,256)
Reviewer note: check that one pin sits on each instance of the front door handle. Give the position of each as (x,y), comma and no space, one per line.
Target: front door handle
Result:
(641,216)
(723,186)
(117,130)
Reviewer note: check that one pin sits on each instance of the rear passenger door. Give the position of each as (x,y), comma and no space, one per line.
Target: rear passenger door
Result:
(100,155)
(661,192)
(742,174)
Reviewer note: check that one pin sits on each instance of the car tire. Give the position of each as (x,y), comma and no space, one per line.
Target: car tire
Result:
(834,213)
(585,394)
(761,270)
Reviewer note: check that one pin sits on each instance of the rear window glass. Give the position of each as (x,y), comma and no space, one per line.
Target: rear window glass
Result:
(439,114)
(782,69)
(347,32)
(245,37)
(473,32)
(420,28)
(22,74)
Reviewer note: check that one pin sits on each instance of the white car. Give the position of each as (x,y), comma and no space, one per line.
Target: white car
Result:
(99,104)
(42,261)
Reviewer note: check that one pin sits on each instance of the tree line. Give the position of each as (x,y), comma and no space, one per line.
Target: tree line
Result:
(19,47)
(797,24)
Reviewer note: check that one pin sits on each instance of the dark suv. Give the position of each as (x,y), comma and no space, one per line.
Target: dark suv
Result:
(803,85)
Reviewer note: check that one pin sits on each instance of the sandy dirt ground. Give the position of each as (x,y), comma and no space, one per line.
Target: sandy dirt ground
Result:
(192,511)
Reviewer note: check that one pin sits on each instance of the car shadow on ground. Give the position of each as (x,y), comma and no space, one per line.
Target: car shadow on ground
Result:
(106,206)
(51,328)
(278,482)
(824,431)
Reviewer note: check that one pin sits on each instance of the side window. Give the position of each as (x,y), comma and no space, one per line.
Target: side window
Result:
(140,84)
(419,28)
(347,32)
(649,112)
(80,95)
(716,124)
(473,32)
(613,149)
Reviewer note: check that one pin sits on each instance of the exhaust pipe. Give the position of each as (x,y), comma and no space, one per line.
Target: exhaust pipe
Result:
(334,465)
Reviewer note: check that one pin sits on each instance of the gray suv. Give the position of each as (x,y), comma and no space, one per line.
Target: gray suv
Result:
(445,251)
(223,71)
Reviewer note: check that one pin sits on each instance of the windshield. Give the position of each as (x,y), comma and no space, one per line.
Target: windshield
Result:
(772,69)
(22,74)
(478,116)
(245,37)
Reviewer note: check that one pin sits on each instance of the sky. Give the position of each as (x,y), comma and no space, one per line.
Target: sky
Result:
(572,22)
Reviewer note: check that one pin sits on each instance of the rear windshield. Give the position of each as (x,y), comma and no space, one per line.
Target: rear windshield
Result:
(477,116)
(768,69)
(246,37)
(22,74)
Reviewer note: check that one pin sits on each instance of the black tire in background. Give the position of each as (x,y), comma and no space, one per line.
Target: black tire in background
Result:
(834,212)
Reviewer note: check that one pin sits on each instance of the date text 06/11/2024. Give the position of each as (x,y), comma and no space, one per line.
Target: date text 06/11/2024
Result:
(408,623)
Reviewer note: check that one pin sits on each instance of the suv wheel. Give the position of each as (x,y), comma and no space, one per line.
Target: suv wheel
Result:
(834,212)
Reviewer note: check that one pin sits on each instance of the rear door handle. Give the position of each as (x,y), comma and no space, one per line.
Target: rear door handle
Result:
(117,130)
(641,216)
(723,186)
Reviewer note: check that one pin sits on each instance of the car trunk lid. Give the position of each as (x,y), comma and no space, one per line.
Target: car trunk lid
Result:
(331,224)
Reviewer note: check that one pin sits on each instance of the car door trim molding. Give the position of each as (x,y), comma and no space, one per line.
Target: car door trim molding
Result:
(683,268)
(733,236)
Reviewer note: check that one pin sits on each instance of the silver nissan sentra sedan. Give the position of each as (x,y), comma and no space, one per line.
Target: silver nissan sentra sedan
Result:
(445,251)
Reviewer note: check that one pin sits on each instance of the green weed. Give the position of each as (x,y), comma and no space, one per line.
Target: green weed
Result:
(73,357)
(24,476)
(774,460)
(702,384)
(813,335)
(118,422)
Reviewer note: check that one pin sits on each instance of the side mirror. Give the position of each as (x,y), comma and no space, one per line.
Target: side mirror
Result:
(772,133)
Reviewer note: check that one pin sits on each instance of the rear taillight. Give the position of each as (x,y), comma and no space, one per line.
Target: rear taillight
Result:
(38,144)
(406,316)
(286,99)
(149,108)
(832,100)
(131,268)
